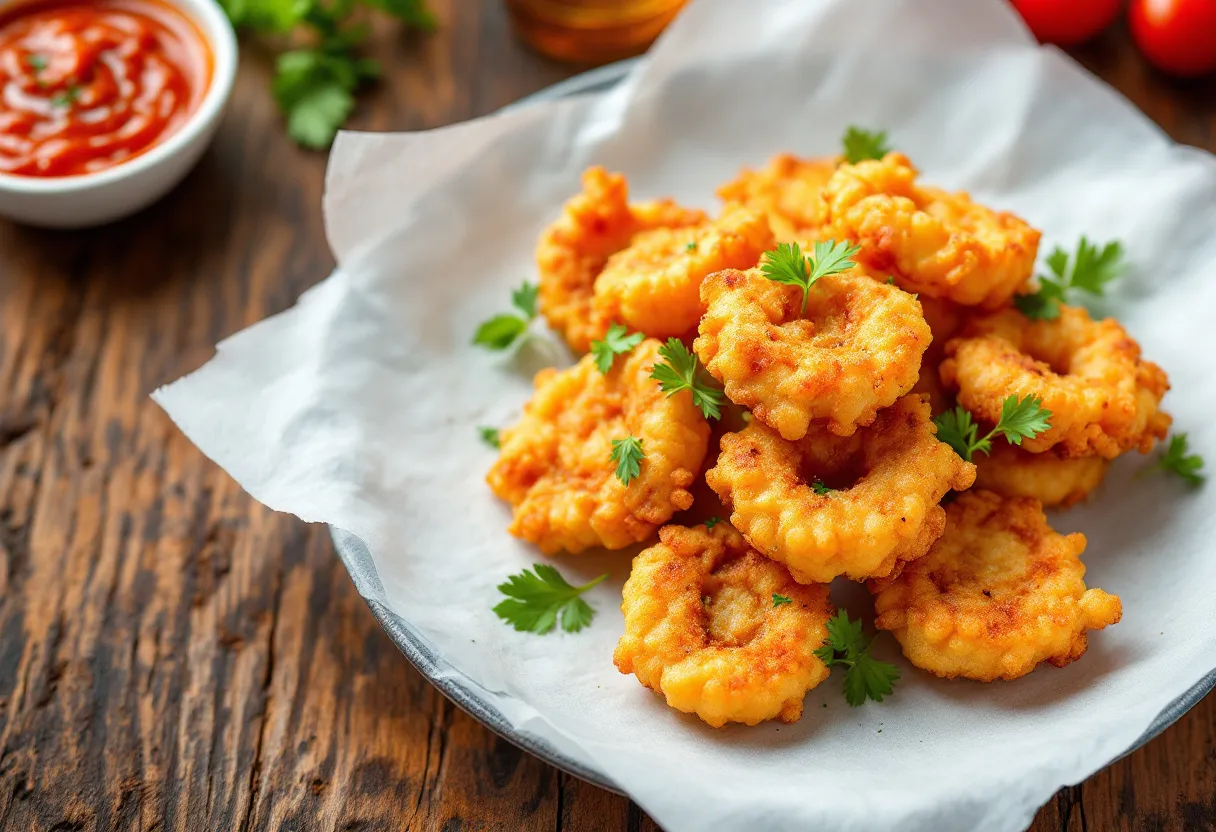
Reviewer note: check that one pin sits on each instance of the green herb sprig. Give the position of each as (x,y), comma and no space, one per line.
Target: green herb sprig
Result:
(865,677)
(1020,419)
(1089,269)
(538,598)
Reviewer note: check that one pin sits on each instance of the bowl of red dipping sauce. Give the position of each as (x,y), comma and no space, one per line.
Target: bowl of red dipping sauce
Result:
(106,104)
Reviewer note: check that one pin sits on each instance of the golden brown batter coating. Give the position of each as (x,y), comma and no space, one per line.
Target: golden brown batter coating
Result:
(882,511)
(572,252)
(789,191)
(654,285)
(702,629)
(1103,398)
(856,350)
(1051,479)
(555,466)
(939,244)
(999,593)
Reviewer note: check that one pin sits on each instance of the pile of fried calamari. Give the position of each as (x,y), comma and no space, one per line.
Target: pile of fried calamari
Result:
(785,366)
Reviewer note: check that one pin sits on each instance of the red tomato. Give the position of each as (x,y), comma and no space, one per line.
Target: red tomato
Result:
(1067,22)
(1177,36)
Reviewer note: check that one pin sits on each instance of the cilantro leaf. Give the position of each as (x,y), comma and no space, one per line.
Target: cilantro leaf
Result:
(524,299)
(1020,419)
(778,600)
(819,488)
(537,599)
(1088,269)
(1177,460)
(490,436)
(628,455)
(508,329)
(862,144)
(680,370)
(615,343)
(712,521)
(865,677)
(787,264)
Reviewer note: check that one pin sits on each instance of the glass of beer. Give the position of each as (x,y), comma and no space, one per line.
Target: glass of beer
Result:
(591,31)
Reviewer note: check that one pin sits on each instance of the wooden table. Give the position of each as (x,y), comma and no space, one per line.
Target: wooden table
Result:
(175,656)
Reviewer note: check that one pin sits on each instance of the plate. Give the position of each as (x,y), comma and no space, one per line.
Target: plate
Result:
(433,666)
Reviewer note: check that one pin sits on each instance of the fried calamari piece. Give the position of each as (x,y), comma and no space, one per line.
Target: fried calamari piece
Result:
(945,319)
(933,242)
(860,506)
(556,469)
(1103,398)
(857,349)
(788,190)
(999,593)
(572,251)
(702,629)
(1051,479)
(654,285)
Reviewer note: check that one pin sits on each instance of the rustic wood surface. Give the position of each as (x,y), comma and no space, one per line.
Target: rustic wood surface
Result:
(175,656)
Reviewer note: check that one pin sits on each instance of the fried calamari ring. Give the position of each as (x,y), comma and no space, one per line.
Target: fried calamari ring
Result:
(654,285)
(701,628)
(573,250)
(944,319)
(1103,398)
(555,467)
(857,349)
(788,190)
(882,511)
(1051,479)
(999,593)
(933,242)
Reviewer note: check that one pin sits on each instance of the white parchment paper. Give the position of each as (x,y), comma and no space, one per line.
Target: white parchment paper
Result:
(358,407)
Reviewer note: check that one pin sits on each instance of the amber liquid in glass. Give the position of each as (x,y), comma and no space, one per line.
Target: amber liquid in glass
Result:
(591,31)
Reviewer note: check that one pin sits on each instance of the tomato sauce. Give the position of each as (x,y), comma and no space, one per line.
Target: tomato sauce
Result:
(85,86)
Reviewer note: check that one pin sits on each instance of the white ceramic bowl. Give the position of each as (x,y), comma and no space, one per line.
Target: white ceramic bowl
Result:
(96,198)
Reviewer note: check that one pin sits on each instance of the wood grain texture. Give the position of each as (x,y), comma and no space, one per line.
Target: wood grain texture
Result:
(173,656)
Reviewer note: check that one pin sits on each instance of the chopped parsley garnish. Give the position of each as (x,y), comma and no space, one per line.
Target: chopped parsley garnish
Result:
(865,677)
(510,328)
(1020,419)
(862,144)
(1089,269)
(537,599)
(787,264)
(616,342)
(627,454)
(680,370)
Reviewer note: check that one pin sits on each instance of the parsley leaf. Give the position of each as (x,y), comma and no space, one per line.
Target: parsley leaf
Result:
(615,343)
(680,370)
(1177,460)
(628,455)
(489,436)
(1020,419)
(1088,269)
(508,329)
(819,488)
(691,246)
(787,264)
(315,86)
(865,677)
(536,599)
(66,98)
(862,144)
(36,62)
(778,600)
(524,299)
(712,521)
